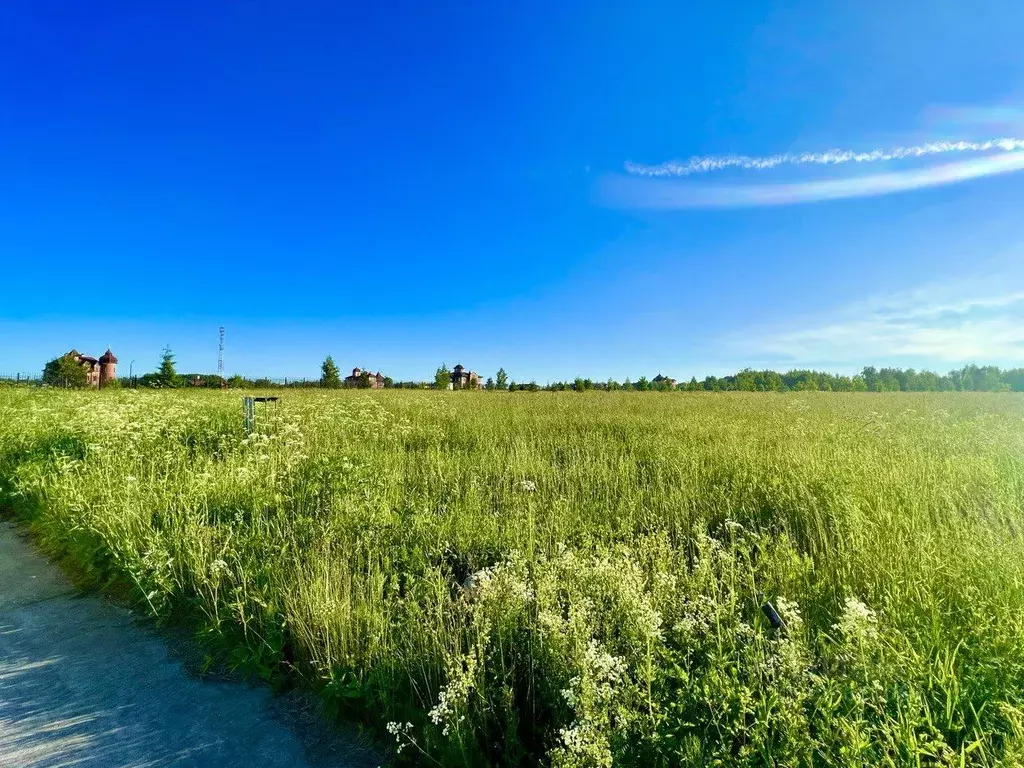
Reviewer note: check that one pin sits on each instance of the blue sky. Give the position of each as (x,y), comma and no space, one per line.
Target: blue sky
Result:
(401,184)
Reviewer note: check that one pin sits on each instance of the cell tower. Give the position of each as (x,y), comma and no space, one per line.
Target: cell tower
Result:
(220,354)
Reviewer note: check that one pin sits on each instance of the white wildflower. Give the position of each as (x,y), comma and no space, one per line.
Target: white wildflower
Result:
(789,611)
(858,622)
(455,695)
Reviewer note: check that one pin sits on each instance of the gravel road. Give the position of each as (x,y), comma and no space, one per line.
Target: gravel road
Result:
(82,683)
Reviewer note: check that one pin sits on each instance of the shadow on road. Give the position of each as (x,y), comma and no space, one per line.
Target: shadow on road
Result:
(81,683)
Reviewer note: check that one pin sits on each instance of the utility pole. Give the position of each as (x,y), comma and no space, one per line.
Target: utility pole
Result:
(220,355)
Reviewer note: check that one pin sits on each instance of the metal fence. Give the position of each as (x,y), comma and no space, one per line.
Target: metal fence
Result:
(36,379)
(27,379)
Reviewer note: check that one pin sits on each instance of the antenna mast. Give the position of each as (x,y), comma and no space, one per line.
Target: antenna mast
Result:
(220,354)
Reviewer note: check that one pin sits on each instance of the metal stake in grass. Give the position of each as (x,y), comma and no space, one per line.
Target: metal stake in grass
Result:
(249,410)
(769,611)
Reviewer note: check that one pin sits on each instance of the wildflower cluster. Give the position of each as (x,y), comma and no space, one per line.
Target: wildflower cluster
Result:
(570,581)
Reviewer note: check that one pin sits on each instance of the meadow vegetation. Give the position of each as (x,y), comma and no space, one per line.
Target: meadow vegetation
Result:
(572,579)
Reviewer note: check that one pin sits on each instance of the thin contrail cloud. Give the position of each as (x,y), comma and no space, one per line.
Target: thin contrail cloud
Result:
(634,192)
(709,163)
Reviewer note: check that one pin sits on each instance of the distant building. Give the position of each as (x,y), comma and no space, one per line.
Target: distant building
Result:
(373,380)
(463,379)
(665,380)
(98,371)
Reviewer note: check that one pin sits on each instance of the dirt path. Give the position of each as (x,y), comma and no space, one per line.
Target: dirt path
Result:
(83,684)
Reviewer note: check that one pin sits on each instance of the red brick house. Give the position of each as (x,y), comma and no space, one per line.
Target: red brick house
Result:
(374,380)
(463,379)
(98,371)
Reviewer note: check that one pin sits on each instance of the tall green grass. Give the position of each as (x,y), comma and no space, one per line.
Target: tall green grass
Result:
(574,580)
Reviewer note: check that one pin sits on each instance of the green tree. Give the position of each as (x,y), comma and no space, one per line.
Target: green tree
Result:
(64,372)
(870,376)
(746,381)
(442,377)
(166,376)
(329,376)
(770,381)
(888,381)
(501,379)
(842,384)
(489,384)
(992,380)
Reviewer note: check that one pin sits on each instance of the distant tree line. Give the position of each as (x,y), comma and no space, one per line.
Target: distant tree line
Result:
(970,378)
(64,372)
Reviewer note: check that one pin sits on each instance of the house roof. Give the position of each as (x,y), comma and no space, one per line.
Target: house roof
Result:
(358,372)
(108,357)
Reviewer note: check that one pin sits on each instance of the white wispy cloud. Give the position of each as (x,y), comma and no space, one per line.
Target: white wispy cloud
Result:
(652,193)
(937,324)
(708,163)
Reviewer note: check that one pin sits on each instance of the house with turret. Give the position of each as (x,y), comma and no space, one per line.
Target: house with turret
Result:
(364,379)
(98,370)
(465,379)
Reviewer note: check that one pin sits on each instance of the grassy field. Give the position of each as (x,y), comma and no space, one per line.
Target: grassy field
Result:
(567,579)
